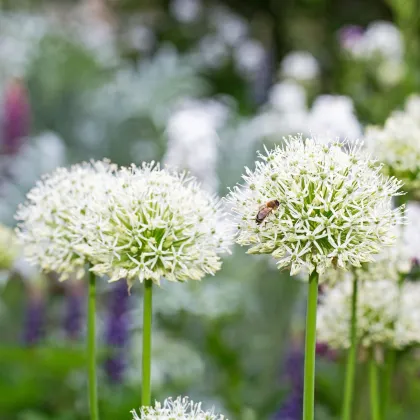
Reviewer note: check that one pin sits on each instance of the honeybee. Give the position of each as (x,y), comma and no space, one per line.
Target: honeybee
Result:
(266,209)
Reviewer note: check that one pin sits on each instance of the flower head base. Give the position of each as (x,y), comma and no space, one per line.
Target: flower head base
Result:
(334,206)
(155,223)
(181,408)
(52,223)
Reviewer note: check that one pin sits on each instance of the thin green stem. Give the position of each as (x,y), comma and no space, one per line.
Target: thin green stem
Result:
(390,357)
(146,397)
(91,348)
(351,357)
(374,391)
(310,343)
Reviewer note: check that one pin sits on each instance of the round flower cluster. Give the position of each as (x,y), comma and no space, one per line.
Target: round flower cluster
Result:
(51,223)
(9,248)
(181,408)
(324,205)
(154,223)
(387,314)
(377,310)
(396,145)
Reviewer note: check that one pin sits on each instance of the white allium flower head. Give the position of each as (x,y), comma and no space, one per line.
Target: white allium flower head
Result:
(383,40)
(288,96)
(154,224)
(52,223)
(300,65)
(407,326)
(334,206)
(377,311)
(397,146)
(180,408)
(334,114)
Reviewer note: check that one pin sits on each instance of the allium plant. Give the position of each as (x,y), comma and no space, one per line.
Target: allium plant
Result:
(53,223)
(313,205)
(154,223)
(180,408)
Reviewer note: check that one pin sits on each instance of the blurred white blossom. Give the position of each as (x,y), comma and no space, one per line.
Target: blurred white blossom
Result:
(193,140)
(248,56)
(288,96)
(333,116)
(397,146)
(334,206)
(186,11)
(154,224)
(382,40)
(300,65)
(407,326)
(174,360)
(377,311)
(182,408)
(20,34)
(412,231)
(229,26)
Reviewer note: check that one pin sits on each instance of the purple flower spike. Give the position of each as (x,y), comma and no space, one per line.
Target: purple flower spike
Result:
(34,321)
(116,334)
(16,117)
(74,312)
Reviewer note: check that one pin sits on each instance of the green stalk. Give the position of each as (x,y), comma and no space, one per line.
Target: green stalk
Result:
(390,357)
(374,391)
(310,343)
(91,348)
(146,397)
(351,358)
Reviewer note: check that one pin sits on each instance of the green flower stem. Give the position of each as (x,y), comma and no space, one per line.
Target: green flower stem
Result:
(374,391)
(91,348)
(310,343)
(146,397)
(351,357)
(387,379)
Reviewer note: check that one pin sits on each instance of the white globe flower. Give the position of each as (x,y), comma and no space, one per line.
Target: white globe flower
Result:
(407,326)
(376,313)
(397,146)
(312,206)
(52,223)
(155,223)
(181,408)
(300,65)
